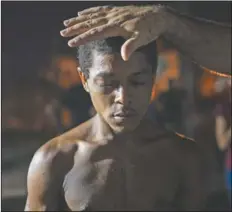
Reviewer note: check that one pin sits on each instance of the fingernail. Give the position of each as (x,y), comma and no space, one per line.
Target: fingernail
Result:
(71,43)
(63,32)
(66,22)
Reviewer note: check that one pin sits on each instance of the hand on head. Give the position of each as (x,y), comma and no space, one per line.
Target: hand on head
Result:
(136,24)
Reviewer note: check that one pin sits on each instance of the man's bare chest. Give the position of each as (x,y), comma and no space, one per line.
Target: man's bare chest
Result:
(116,184)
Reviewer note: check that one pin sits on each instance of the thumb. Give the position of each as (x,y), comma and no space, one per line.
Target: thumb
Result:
(130,46)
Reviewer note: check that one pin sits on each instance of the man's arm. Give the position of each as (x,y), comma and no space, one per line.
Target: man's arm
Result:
(206,43)
(43,183)
(223,135)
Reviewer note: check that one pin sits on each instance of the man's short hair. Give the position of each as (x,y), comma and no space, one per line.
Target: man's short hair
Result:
(110,46)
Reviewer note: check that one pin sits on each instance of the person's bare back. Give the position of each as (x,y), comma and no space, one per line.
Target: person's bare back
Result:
(157,170)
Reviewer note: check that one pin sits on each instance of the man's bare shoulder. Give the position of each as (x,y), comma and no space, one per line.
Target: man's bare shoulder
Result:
(158,132)
(184,141)
(60,151)
(49,165)
(176,143)
(188,149)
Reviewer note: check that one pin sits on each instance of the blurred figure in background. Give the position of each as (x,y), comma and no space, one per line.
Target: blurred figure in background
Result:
(210,134)
(222,114)
(204,134)
(50,113)
(167,107)
(172,105)
(73,103)
(78,102)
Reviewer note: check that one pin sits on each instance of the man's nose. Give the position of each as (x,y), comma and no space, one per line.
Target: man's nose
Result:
(123,96)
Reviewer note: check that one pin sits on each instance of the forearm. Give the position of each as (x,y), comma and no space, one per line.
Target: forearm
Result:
(228,137)
(206,43)
(224,140)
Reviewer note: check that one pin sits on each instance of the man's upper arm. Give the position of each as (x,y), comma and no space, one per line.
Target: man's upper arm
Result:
(220,126)
(43,183)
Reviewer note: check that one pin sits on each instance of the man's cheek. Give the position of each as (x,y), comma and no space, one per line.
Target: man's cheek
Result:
(101,102)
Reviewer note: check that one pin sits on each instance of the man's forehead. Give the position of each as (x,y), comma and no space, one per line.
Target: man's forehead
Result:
(108,64)
(102,65)
(103,59)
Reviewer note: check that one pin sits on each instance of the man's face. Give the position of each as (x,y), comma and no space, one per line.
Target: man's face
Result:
(120,91)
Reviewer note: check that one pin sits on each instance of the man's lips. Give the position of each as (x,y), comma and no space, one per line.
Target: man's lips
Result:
(124,114)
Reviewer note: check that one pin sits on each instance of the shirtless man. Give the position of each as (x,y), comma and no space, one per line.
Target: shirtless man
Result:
(117,160)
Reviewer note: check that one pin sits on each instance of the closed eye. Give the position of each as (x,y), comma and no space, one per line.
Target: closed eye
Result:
(137,83)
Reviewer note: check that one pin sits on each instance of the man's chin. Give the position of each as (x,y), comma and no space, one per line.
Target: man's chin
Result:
(123,128)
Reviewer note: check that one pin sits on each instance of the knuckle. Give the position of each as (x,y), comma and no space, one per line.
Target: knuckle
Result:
(69,29)
(93,31)
(96,9)
(111,15)
(92,15)
(74,27)
(82,37)
(127,16)
(103,20)
(108,7)
(118,9)
(116,21)
(89,22)
(101,29)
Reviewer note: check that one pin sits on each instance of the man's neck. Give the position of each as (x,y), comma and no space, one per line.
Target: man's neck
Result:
(104,134)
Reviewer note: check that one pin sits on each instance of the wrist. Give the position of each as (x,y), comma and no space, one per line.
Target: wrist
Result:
(168,17)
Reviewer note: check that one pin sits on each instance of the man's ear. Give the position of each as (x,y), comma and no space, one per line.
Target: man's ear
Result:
(83,79)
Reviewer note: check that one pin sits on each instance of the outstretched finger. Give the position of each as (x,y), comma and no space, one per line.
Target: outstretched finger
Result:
(97,34)
(83,27)
(95,10)
(72,21)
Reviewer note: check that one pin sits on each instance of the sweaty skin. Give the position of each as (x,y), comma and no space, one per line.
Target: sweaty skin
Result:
(205,42)
(149,170)
(117,160)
